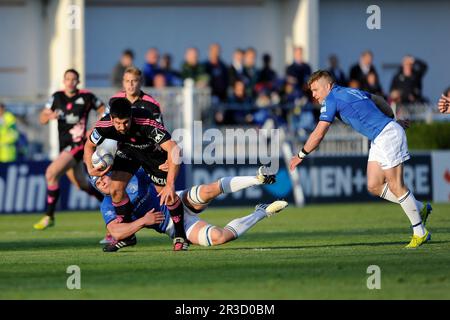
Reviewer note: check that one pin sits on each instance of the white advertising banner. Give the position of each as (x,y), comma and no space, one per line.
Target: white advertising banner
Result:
(440,162)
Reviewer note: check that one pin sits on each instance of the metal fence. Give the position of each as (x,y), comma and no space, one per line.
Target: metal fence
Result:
(181,106)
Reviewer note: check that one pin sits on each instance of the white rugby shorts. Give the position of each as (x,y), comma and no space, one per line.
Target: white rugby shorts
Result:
(390,147)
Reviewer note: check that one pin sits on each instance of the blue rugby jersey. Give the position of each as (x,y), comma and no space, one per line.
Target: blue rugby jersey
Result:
(355,108)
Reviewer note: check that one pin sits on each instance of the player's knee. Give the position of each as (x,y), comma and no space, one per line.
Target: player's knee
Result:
(210,236)
(373,188)
(196,194)
(50,175)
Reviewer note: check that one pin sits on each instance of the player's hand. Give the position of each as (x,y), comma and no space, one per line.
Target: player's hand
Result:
(97,171)
(50,114)
(295,161)
(164,167)
(404,123)
(444,104)
(152,217)
(167,195)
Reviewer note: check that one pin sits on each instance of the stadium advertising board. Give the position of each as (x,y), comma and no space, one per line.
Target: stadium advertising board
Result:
(323,179)
(23,189)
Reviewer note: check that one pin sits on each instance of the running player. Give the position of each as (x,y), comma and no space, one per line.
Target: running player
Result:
(71,108)
(142,141)
(148,213)
(388,150)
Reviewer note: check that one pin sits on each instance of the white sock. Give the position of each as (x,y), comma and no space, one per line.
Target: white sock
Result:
(408,203)
(389,196)
(234,184)
(240,225)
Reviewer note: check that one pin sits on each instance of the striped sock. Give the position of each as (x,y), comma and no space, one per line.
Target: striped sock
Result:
(240,225)
(408,203)
(389,196)
(52,199)
(235,184)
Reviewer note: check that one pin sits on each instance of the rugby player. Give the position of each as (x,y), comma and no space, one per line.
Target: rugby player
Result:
(71,108)
(142,141)
(388,151)
(148,213)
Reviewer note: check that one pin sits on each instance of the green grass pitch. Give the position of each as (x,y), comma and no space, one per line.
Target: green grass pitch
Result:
(317,252)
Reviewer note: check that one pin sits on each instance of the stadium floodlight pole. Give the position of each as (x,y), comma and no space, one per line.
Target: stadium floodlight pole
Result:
(286,149)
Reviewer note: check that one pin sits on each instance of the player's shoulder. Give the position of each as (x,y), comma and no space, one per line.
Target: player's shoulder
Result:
(84,92)
(58,94)
(147,98)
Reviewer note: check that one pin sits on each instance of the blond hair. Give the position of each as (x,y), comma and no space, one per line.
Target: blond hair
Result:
(319,74)
(134,71)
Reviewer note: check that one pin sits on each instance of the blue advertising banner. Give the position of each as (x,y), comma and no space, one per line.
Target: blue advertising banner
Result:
(323,179)
(23,189)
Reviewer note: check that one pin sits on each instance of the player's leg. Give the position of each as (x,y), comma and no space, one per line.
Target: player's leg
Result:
(199,196)
(394,178)
(54,172)
(120,199)
(377,185)
(176,212)
(205,234)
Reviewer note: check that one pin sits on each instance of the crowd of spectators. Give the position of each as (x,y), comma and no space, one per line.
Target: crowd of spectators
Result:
(245,94)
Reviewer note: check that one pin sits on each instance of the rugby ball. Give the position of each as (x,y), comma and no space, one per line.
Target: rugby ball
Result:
(104,154)
(102,161)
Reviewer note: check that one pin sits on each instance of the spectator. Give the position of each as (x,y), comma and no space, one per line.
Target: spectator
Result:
(267,77)
(151,66)
(159,81)
(191,68)
(336,71)
(236,69)
(250,71)
(360,70)
(8,135)
(299,70)
(126,60)
(235,110)
(408,80)
(372,85)
(172,77)
(217,72)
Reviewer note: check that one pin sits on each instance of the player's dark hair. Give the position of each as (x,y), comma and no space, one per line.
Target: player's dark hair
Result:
(120,108)
(320,74)
(75,72)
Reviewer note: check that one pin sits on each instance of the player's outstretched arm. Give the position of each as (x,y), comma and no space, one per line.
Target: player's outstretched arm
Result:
(121,230)
(311,144)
